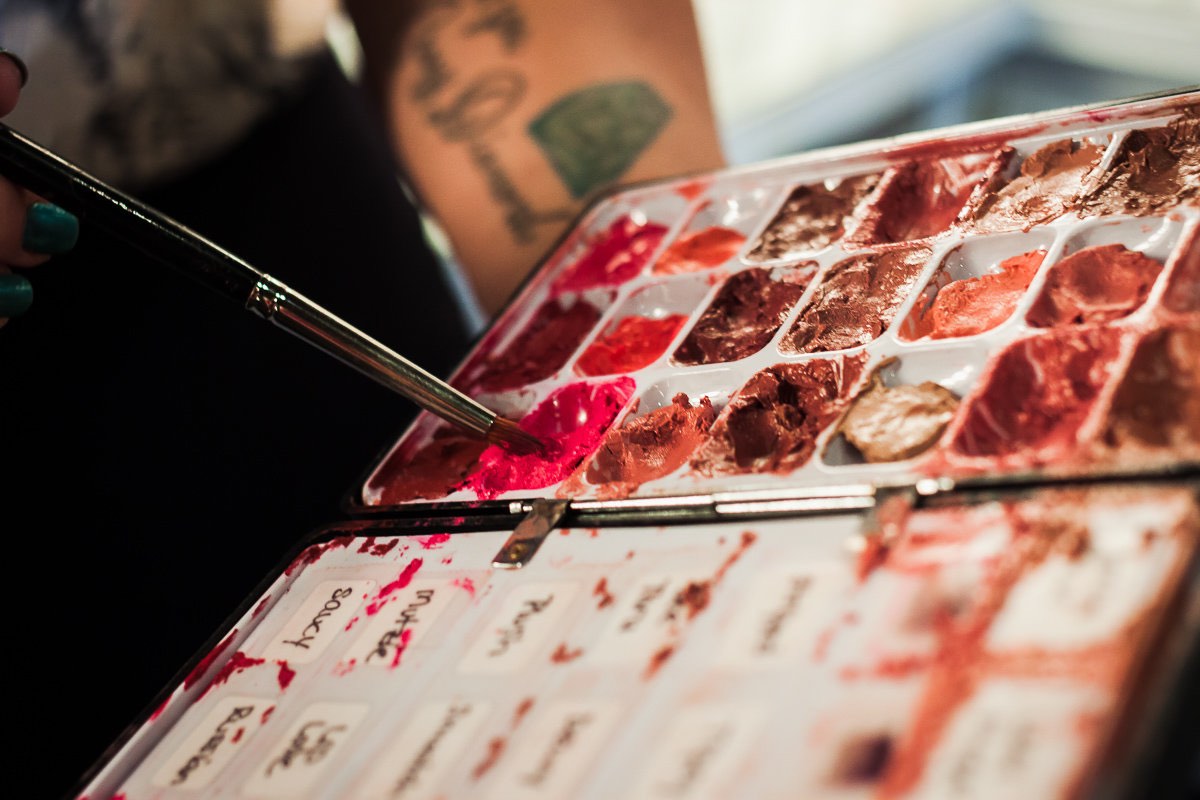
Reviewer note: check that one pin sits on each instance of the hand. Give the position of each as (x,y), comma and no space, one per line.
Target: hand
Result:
(31,230)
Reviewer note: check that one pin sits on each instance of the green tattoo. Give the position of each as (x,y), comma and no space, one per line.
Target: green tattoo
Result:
(592,136)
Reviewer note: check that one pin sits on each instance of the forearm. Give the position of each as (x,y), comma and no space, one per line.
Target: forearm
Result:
(509,114)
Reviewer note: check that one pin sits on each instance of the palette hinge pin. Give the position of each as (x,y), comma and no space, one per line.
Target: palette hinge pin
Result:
(530,533)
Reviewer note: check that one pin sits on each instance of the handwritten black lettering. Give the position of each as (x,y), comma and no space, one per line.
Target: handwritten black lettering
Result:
(314,627)
(566,736)
(204,755)
(421,761)
(774,623)
(314,741)
(408,617)
(515,632)
(641,606)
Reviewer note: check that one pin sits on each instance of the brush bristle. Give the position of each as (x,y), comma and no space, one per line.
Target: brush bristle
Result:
(508,434)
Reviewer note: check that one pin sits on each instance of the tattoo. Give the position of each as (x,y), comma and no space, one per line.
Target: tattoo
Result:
(484,102)
(433,74)
(592,136)
(520,217)
(501,17)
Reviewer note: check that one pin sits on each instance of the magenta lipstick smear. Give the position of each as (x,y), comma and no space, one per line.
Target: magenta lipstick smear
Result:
(813,217)
(571,423)
(615,255)
(1049,184)
(772,423)
(1155,169)
(1095,285)
(856,300)
(747,311)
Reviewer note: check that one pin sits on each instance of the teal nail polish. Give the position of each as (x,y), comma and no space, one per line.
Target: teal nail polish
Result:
(16,295)
(49,229)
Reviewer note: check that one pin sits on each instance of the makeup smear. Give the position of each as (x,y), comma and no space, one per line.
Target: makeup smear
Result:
(432,471)
(1098,284)
(747,311)
(552,335)
(1157,402)
(921,199)
(813,217)
(699,250)
(972,306)
(1049,184)
(1155,169)
(1183,285)
(772,423)
(1037,394)
(892,423)
(630,345)
(571,422)
(856,300)
(617,254)
(645,448)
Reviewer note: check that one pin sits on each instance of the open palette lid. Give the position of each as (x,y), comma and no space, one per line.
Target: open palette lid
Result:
(1018,296)
(1020,644)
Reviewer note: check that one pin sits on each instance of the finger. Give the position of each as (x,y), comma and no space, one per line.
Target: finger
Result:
(31,230)
(12,78)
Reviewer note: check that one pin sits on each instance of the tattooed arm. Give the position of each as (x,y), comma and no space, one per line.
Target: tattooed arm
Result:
(509,114)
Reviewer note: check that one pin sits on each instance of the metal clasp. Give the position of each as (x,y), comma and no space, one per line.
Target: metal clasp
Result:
(530,533)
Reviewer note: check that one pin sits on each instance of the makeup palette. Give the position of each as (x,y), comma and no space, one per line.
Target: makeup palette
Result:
(984,300)
(976,647)
(887,456)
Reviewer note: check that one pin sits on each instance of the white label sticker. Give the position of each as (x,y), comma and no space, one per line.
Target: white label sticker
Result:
(306,751)
(642,620)
(525,620)
(560,745)
(1012,739)
(425,751)
(782,615)
(222,732)
(401,624)
(699,753)
(321,617)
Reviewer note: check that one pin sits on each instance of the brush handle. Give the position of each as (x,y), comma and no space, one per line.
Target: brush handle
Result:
(174,245)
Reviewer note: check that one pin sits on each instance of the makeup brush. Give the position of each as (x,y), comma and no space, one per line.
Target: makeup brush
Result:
(165,240)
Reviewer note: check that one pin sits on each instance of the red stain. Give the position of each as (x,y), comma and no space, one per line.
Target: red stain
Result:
(873,556)
(601,591)
(238,662)
(352,622)
(629,555)
(889,668)
(495,750)
(562,655)
(694,597)
(692,189)
(748,538)
(521,710)
(405,578)
(313,554)
(286,674)
(343,668)
(197,674)
(266,715)
(405,638)
(447,560)
(466,584)
(237,735)
(658,660)
(261,607)
(162,707)
(433,542)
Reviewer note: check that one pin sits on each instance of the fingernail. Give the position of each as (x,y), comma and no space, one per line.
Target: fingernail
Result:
(16,295)
(49,229)
(24,70)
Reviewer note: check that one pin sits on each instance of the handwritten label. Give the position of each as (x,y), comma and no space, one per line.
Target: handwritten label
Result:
(782,615)
(203,754)
(643,617)
(426,750)
(526,618)
(559,748)
(401,624)
(308,748)
(699,753)
(321,617)
(1012,739)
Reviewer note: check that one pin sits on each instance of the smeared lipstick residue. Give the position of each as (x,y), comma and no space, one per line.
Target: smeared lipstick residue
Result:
(1183,285)
(743,317)
(161,708)
(353,621)
(615,256)
(772,423)
(432,471)
(694,597)
(237,735)
(197,674)
(261,607)
(698,250)
(562,654)
(344,668)
(402,580)
(496,747)
(644,449)
(1049,184)
(266,714)
(1154,170)
(634,343)
(377,549)
(238,662)
(466,584)
(975,305)
(1095,285)
(657,660)
(813,217)
(286,674)
(692,189)
(433,542)
(570,422)
(312,555)
(601,591)
(521,711)
(401,646)
(1156,405)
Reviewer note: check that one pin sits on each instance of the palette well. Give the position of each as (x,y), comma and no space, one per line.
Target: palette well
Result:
(976,303)
(937,652)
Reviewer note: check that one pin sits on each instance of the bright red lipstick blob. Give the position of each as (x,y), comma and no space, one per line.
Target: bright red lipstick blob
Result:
(571,422)
(616,255)
(631,345)
(699,250)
